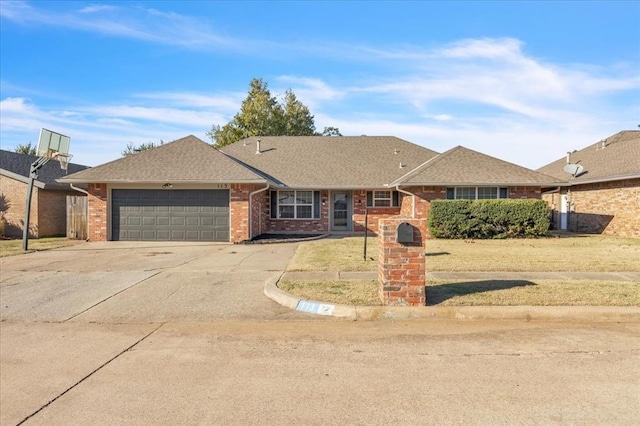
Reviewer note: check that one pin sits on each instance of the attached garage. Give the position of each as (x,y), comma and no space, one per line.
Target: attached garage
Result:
(170,215)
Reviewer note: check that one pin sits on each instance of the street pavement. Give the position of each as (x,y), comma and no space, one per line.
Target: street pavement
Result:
(181,333)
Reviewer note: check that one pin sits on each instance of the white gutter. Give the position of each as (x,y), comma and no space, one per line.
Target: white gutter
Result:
(251,210)
(413,200)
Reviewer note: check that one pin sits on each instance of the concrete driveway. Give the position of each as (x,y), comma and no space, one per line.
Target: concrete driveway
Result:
(125,282)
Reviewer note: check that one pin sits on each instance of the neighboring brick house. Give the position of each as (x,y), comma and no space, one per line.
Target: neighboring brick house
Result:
(48,202)
(186,190)
(604,196)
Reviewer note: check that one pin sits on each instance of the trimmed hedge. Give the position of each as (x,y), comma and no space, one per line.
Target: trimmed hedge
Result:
(483,219)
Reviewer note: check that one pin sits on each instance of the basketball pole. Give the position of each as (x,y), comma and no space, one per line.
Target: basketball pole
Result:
(33,175)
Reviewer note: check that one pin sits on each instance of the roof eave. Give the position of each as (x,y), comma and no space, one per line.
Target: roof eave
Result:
(130,181)
(451,183)
(603,179)
(37,183)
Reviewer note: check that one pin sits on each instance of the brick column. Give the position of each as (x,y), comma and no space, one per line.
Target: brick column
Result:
(97,211)
(401,268)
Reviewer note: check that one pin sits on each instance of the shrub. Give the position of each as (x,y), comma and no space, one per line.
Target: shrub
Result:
(480,219)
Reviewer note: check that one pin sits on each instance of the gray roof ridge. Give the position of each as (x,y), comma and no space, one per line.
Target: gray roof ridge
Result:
(416,170)
(270,179)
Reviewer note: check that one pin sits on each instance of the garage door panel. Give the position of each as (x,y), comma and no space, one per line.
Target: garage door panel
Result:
(133,221)
(181,215)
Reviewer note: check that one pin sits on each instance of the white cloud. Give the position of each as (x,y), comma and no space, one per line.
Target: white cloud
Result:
(311,91)
(225,102)
(97,8)
(132,22)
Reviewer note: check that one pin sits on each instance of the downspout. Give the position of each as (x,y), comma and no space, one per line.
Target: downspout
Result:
(413,200)
(78,189)
(251,210)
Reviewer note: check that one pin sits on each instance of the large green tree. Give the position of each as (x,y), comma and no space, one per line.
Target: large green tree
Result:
(262,115)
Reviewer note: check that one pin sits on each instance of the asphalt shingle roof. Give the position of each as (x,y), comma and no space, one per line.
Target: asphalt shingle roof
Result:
(20,166)
(330,162)
(616,157)
(463,166)
(185,160)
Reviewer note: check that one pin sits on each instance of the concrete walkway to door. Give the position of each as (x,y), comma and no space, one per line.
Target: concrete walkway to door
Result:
(142,282)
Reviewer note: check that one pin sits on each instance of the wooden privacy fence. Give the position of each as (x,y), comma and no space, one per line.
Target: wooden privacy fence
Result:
(77,217)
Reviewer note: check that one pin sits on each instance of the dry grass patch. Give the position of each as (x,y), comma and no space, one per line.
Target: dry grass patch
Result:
(479,293)
(577,253)
(534,293)
(336,254)
(344,292)
(13,247)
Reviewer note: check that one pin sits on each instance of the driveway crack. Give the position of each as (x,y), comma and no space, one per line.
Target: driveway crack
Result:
(90,374)
(111,296)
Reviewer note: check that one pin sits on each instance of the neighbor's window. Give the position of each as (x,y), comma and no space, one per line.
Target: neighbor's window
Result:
(295,204)
(477,193)
(384,198)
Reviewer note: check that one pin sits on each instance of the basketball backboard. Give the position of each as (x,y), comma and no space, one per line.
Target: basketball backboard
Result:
(52,143)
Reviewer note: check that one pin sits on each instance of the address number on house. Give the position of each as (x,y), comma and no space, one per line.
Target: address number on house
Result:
(222,186)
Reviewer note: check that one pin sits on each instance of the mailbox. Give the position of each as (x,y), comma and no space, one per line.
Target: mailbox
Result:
(404,233)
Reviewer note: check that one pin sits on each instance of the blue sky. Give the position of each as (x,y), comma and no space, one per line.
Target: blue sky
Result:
(522,81)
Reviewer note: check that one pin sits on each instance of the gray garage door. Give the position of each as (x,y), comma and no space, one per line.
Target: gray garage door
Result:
(170,215)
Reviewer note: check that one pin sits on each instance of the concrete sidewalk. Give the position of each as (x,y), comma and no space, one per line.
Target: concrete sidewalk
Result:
(571,313)
(337,275)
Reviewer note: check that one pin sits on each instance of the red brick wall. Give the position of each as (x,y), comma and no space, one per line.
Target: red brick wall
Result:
(52,212)
(525,192)
(14,195)
(375,213)
(259,212)
(610,208)
(97,212)
(401,266)
(48,214)
(239,207)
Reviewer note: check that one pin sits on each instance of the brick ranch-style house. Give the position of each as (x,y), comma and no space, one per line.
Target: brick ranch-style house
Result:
(48,215)
(187,190)
(603,195)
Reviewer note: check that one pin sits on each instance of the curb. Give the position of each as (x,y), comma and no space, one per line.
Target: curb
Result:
(527,313)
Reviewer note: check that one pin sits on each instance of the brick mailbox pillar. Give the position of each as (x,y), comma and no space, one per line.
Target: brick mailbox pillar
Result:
(401,268)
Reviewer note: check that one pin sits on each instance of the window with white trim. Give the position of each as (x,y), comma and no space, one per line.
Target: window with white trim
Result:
(295,204)
(382,198)
(477,193)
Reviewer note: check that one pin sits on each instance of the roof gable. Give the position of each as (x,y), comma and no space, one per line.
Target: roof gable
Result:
(613,158)
(18,166)
(330,162)
(463,166)
(185,160)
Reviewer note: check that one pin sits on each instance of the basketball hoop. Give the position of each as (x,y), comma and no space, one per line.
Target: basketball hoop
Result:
(63,159)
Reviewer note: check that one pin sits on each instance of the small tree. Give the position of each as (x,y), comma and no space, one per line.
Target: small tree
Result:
(132,149)
(331,131)
(26,149)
